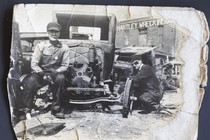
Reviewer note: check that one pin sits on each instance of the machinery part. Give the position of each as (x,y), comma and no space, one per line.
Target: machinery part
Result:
(79,74)
(89,71)
(92,54)
(116,90)
(95,100)
(107,90)
(126,99)
(132,99)
(85,89)
(81,77)
(94,82)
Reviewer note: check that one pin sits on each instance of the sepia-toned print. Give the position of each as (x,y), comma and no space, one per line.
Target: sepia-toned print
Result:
(98,72)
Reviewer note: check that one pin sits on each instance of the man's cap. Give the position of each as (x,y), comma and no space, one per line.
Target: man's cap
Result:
(53,26)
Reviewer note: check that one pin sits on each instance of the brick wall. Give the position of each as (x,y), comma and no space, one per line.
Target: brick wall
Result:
(163,36)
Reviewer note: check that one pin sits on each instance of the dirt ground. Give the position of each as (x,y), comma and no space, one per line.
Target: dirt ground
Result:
(90,125)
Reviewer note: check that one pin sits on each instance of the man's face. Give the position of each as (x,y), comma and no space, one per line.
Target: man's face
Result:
(53,35)
(137,64)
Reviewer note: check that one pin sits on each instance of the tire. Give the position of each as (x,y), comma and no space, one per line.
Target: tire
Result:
(127,103)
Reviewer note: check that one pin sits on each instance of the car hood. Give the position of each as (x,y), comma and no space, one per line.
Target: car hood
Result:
(135,50)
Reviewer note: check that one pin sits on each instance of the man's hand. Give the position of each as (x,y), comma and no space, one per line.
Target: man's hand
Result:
(48,78)
(41,73)
(54,72)
(130,77)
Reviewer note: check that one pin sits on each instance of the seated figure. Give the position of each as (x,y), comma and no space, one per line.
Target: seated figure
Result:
(49,63)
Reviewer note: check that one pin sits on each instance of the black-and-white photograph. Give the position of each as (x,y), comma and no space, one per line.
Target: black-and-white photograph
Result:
(94,72)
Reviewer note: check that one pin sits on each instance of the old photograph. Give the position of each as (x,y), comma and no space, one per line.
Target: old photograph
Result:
(105,72)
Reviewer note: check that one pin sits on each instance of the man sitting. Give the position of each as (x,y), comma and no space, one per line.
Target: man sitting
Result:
(49,62)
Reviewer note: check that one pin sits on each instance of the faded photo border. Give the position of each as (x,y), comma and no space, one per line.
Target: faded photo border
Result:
(201,113)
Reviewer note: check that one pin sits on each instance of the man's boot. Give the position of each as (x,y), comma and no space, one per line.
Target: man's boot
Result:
(58,113)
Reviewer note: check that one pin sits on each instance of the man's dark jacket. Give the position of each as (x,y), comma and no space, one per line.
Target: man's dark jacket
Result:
(145,81)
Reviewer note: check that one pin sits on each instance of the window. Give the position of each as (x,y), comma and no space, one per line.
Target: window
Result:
(143,37)
(84,33)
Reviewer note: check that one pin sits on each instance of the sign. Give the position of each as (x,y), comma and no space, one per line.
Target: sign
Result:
(142,24)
